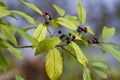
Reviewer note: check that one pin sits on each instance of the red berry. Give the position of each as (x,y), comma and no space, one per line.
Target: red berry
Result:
(82,29)
(43,15)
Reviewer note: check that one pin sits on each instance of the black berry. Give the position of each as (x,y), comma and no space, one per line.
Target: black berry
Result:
(70,34)
(79,27)
(46,13)
(73,37)
(67,38)
(94,41)
(97,42)
(79,30)
(95,38)
(89,42)
(68,41)
(85,30)
(59,32)
(50,18)
(62,36)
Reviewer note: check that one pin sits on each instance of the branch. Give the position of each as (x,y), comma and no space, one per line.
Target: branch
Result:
(23,47)
(62,46)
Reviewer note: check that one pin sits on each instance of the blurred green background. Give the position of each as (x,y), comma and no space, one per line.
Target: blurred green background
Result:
(100,13)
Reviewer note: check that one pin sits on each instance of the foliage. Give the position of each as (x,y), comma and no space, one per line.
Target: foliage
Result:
(50,44)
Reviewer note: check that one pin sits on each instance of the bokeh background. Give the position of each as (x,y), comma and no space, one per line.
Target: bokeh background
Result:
(100,13)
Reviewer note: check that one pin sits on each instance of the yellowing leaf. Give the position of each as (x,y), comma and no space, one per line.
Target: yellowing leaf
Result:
(74,19)
(54,23)
(66,23)
(14,51)
(113,51)
(40,32)
(107,32)
(24,15)
(47,44)
(8,33)
(4,12)
(90,30)
(81,13)
(79,54)
(54,64)
(32,6)
(59,10)
(24,34)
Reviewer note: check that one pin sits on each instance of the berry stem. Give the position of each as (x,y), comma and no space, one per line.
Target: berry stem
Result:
(49,32)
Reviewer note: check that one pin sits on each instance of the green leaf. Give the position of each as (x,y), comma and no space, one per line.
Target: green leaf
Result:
(3,62)
(100,73)
(32,6)
(74,19)
(87,75)
(79,54)
(4,12)
(18,77)
(115,44)
(2,4)
(24,15)
(47,44)
(107,32)
(40,32)
(100,48)
(2,45)
(59,10)
(81,13)
(14,51)
(54,64)
(113,51)
(2,36)
(9,34)
(66,23)
(90,30)
(23,33)
(101,65)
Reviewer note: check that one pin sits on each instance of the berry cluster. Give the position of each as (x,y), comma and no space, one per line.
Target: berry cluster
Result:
(94,41)
(47,17)
(66,38)
(80,29)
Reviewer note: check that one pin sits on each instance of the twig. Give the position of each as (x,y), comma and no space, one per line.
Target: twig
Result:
(23,47)
(49,32)
(62,46)
(54,33)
